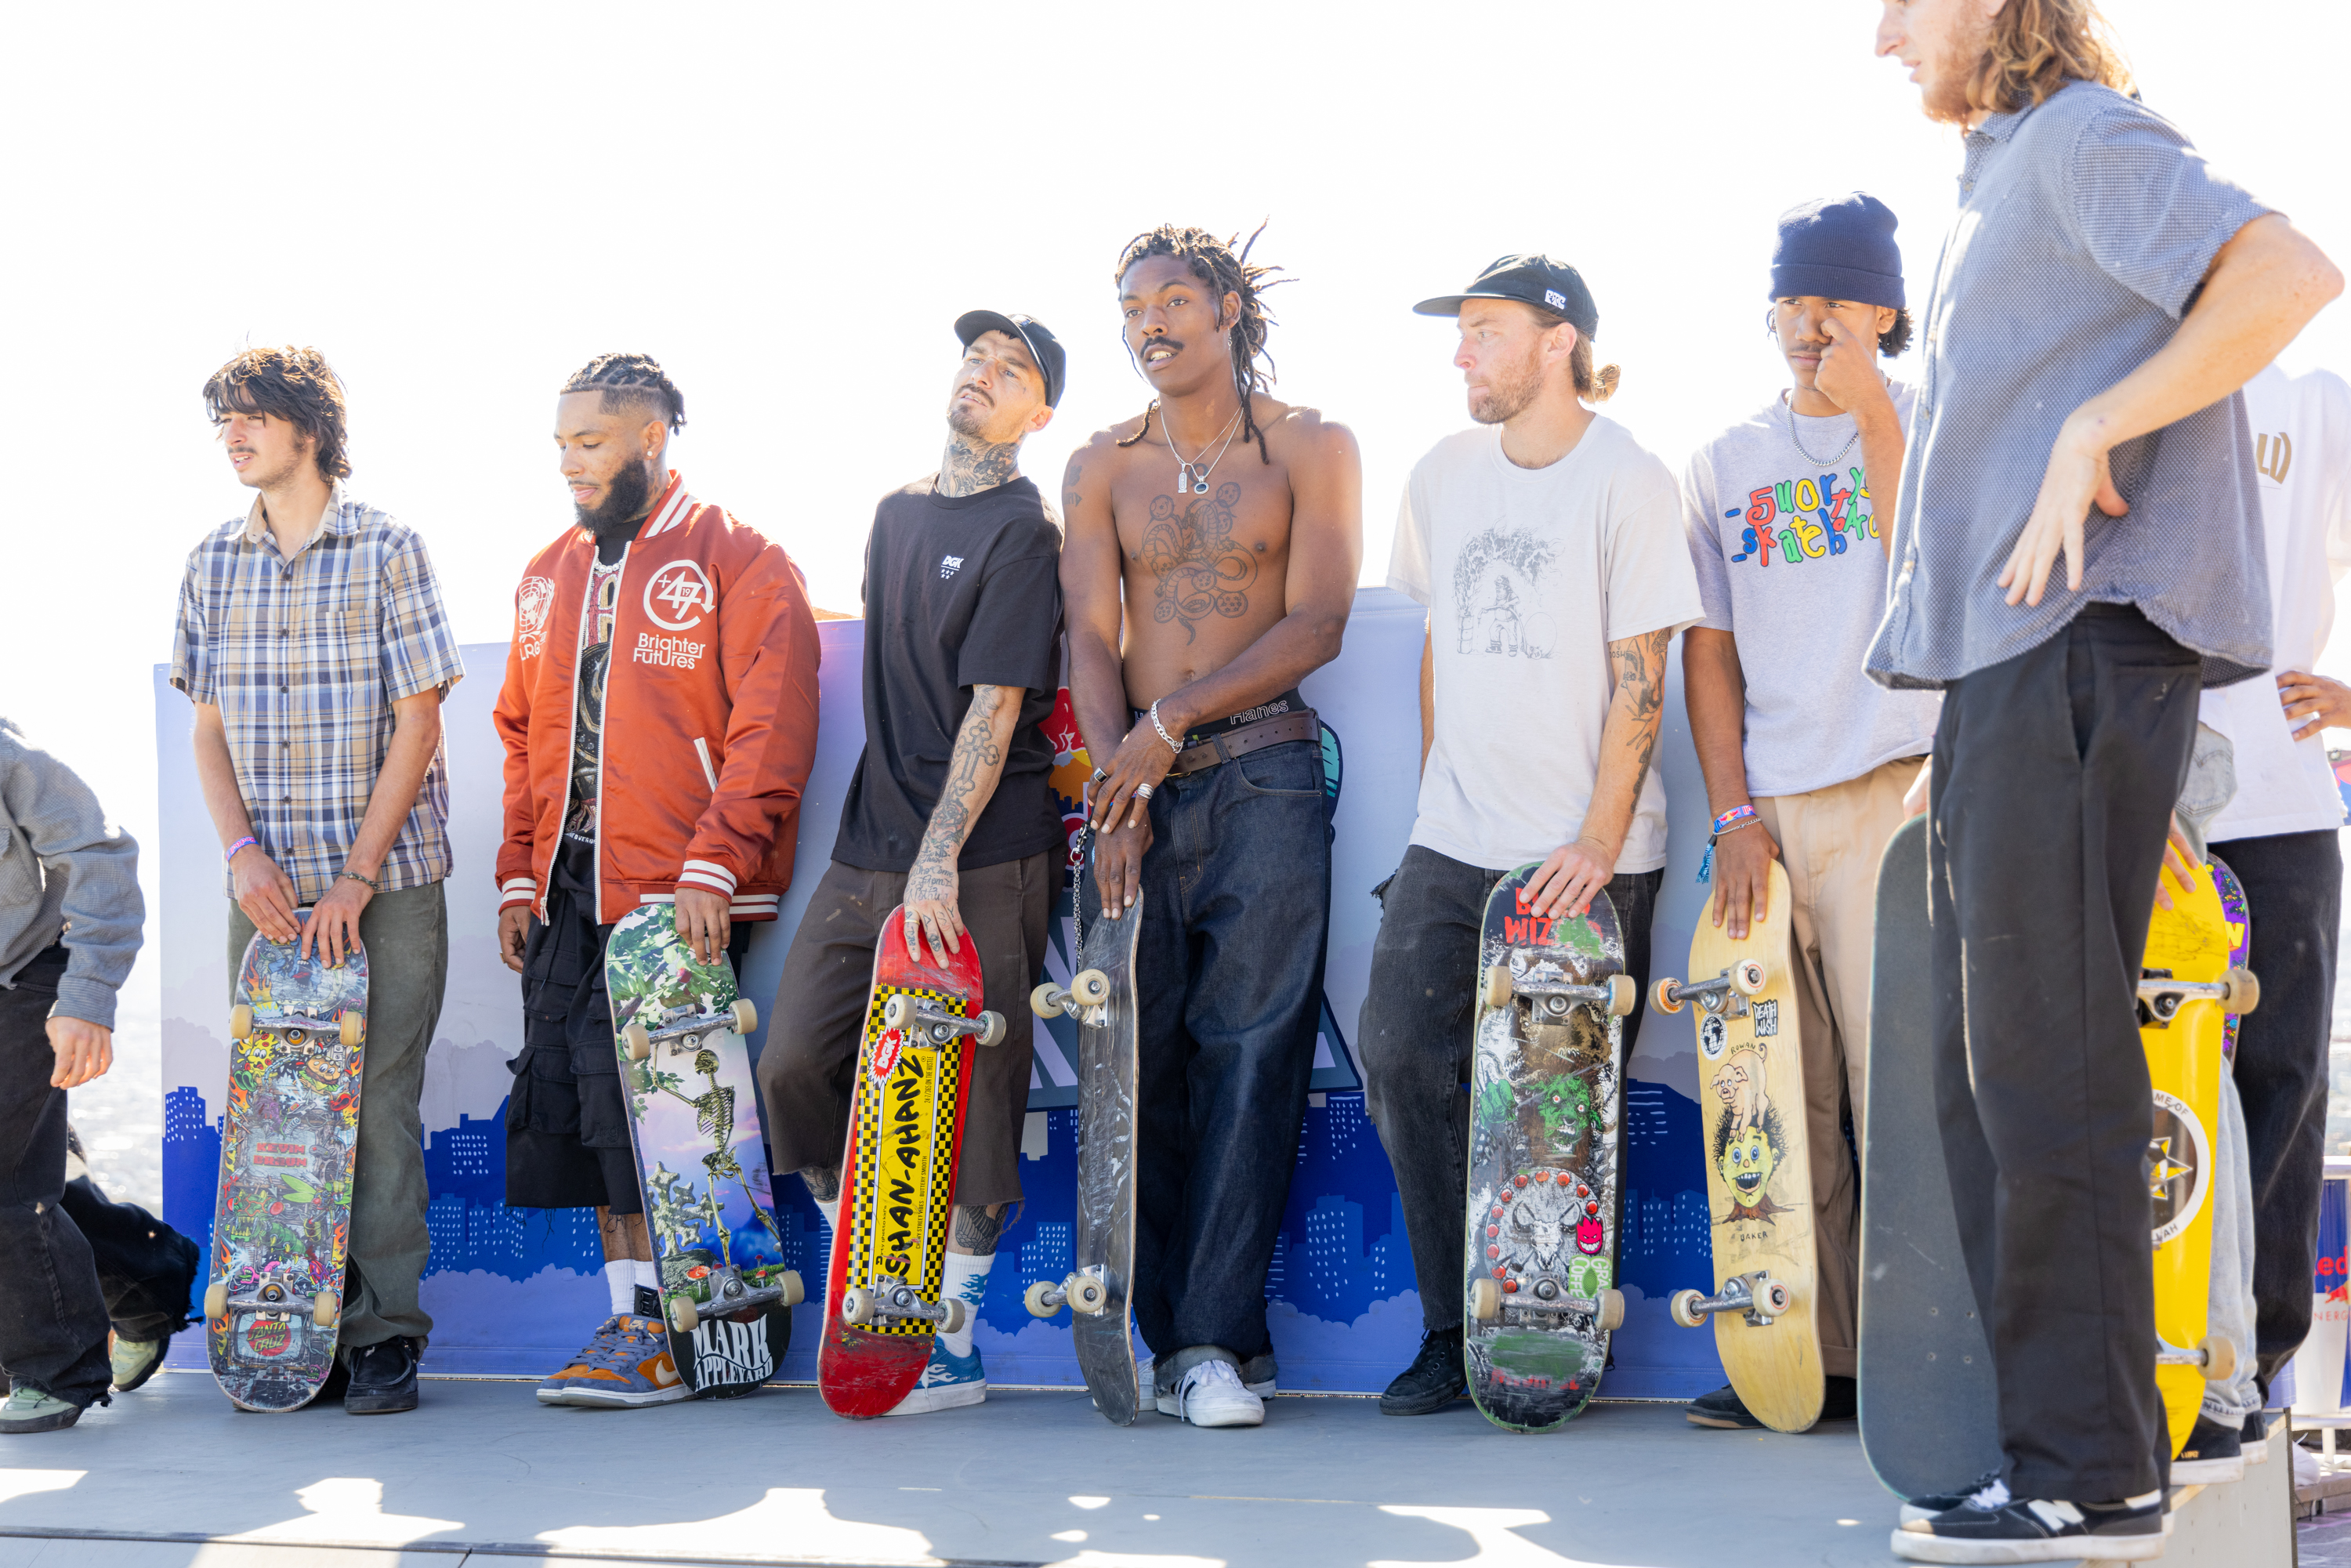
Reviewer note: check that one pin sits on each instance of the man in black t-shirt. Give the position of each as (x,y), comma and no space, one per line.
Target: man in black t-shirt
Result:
(948,812)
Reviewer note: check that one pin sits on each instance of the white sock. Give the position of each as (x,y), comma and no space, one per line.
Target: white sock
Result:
(965,1276)
(621,1279)
(647,1275)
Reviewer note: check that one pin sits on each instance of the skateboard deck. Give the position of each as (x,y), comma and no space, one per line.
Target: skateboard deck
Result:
(281,1223)
(1929,1406)
(678,1025)
(898,1174)
(1100,997)
(1539,1296)
(2234,910)
(1759,1174)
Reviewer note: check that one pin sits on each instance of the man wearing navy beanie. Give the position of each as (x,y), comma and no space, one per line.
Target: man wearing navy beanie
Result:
(1806,760)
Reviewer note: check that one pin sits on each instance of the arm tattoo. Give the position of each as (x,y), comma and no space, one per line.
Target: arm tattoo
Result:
(1070,499)
(1200,568)
(976,751)
(970,466)
(976,1230)
(1641,683)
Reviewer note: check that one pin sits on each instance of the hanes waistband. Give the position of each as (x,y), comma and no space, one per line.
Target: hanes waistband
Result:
(1288,702)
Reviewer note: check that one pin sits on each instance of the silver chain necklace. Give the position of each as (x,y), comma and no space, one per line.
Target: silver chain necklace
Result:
(1788,407)
(1189,475)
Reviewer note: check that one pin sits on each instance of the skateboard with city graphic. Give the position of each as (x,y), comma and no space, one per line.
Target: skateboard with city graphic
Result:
(898,1173)
(1758,1176)
(281,1222)
(1539,1297)
(678,1025)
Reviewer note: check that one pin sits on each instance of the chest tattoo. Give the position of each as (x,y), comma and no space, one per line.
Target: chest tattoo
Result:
(1200,569)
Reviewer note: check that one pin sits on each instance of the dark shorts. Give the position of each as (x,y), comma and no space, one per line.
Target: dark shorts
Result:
(566,1125)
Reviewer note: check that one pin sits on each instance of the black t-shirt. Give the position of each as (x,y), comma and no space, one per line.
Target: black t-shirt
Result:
(960,590)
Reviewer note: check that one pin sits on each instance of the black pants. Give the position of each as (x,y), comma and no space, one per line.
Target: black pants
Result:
(1416,1042)
(2294,893)
(53,1319)
(146,1269)
(2054,773)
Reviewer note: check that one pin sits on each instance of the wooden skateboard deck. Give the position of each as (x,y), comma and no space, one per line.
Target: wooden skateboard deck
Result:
(1759,1177)
(678,1025)
(1929,1406)
(1101,996)
(281,1223)
(898,1174)
(2234,909)
(1538,1295)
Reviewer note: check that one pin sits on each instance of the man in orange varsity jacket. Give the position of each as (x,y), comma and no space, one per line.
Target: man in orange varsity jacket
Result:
(659,717)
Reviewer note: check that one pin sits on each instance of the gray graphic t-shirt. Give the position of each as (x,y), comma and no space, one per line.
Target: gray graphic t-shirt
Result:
(1785,541)
(1529,574)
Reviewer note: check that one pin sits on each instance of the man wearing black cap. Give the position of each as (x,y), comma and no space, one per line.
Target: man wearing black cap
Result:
(1545,544)
(947,813)
(1806,760)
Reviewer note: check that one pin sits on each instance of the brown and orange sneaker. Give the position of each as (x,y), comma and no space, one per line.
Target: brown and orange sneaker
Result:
(626,1366)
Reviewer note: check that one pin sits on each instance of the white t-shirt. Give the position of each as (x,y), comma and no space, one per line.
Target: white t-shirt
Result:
(2302,444)
(1789,563)
(1542,568)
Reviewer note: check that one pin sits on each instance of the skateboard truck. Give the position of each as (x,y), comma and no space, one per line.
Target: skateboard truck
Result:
(1082,1292)
(1726,992)
(685,1034)
(1758,1296)
(932,1025)
(2214,1356)
(2160,997)
(348,1028)
(732,1298)
(1088,999)
(1546,1296)
(889,1298)
(324,1309)
(1551,995)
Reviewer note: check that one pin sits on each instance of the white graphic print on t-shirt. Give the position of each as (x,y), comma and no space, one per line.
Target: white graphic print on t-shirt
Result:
(1500,595)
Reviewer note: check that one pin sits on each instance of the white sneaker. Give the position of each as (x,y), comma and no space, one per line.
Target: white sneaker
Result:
(2308,1471)
(1211,1395)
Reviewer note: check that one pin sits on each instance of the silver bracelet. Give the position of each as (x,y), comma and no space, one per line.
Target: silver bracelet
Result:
(1173,745)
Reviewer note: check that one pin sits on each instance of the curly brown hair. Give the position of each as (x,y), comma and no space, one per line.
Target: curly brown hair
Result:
(296,385)
(1215,263)
(2036,47)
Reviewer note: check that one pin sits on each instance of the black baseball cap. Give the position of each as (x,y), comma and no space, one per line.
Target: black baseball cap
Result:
(1043,346)
(1535,281)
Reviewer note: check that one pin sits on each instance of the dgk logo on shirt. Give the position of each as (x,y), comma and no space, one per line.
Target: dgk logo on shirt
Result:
(949,565)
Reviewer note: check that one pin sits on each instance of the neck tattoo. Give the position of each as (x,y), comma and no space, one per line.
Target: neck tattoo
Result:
(970,466)
(1189,475)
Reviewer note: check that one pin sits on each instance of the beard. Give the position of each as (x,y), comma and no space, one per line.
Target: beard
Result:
(1508,394)
(1945,97)
(968,422)
(626,501)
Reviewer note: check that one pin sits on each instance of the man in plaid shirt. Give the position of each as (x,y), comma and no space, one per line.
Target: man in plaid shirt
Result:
(312,641)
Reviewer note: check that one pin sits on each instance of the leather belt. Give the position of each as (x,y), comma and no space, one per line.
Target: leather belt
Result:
(1249,737)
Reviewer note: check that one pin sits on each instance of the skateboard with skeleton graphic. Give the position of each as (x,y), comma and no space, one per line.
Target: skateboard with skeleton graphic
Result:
(678,1025)
(1540,1296)
(882,1302)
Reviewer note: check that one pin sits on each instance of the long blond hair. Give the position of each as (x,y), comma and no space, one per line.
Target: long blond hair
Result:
(2037,47)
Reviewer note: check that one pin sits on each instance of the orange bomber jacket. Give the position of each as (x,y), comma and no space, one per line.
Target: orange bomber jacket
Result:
(710,710)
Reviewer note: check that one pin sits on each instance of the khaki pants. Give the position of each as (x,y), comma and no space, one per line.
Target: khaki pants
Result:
(1830,841)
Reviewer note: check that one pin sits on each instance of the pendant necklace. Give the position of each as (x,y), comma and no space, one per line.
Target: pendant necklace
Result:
(1190,474)
(1797,442)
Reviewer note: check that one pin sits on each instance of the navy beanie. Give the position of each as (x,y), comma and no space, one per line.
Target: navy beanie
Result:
(1839,248)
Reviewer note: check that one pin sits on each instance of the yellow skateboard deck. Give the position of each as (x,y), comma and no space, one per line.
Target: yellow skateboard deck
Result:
(1759,1176)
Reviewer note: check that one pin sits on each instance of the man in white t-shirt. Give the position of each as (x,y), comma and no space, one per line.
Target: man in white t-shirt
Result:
(1806,760)
(1544,544)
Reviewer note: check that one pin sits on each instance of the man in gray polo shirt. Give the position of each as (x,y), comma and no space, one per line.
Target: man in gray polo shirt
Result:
(2101,297)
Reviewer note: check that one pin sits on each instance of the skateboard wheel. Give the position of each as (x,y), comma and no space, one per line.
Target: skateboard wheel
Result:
(353,1029)
(1684,1306)
(1611,1314)
(795,1291)
(1485,1294)
(856,1307)
(1772,1298)
(1663,997)
(636,1041)
(2220,1357)
(747,1016)
(2243,992)
(898,1012)
(1034,1300)
(216,1299)
(1747,977)
(326,1309)
(991,1029)
(240,1021)
(1497,984)
(953,1321)
(1090,987)
(1087,1295)
(1624,996)
(684,1316)
(1041,1001)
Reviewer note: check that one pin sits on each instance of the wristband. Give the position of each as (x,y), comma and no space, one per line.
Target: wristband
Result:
(1736,817)
(1173,744)
(373,886)
(249,842)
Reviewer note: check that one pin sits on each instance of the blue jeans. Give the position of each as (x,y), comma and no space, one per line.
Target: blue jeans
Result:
(1229,982)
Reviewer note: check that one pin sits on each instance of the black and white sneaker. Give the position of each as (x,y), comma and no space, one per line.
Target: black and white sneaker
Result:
(2253,1442)
(1987,1490)
(2214,1455)
(2034,1531)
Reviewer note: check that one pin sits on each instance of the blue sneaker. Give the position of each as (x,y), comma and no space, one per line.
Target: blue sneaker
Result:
(627,1365)
(949,1381)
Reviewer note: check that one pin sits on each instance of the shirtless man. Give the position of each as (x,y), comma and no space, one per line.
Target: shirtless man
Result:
(1232,526)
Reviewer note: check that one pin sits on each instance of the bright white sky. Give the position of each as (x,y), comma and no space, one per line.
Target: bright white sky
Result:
(789,205)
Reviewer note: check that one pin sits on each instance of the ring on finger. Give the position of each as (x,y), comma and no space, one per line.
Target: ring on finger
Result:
(1143,791)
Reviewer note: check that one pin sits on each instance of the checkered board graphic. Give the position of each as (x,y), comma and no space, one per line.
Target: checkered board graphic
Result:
(905,1126)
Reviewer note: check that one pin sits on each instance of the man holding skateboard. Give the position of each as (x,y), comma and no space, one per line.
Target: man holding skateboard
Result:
(1210,567)
(312,641)
(949,815)
(1788,515)
(1543,543)
(2104,295)
(659,717)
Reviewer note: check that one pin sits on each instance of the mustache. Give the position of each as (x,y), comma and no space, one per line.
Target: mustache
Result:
(1175,345)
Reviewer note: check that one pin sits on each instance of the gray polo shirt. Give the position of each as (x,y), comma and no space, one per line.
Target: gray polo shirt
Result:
(2085,227)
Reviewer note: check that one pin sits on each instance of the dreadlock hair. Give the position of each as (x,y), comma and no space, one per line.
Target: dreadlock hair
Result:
(1591,385)
(626,379)
(1215,263)
(296,385)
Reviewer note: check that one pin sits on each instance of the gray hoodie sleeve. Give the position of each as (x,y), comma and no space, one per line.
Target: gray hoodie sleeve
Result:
(88,874)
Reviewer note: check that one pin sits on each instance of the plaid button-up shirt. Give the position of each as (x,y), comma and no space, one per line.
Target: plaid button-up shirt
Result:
(305,658)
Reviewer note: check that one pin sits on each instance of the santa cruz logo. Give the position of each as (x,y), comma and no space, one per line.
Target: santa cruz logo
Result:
(677,594)
(532,601)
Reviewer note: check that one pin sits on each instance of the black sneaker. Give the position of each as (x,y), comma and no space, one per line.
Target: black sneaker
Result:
(1723,1407)
(1841,1400)
(2214,1455)
(2253,1442)
(2033,1531)
(383,1377)
(1980,1492)
(1433,1381)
